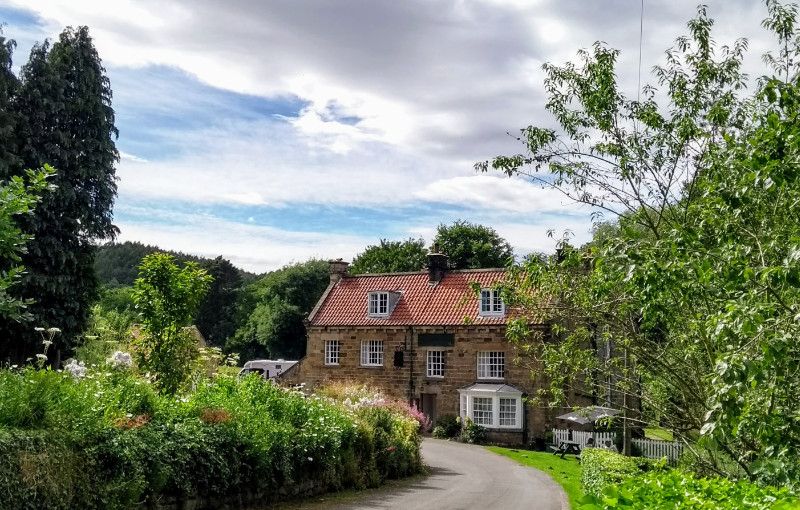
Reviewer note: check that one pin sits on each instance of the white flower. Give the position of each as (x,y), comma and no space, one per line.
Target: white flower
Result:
(76,369)
(38,329)
(121,359)
(53,330)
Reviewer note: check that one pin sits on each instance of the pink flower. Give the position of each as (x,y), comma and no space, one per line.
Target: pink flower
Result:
(391,448)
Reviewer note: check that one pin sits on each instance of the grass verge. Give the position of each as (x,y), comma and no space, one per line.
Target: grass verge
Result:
(658,433)
(566,472)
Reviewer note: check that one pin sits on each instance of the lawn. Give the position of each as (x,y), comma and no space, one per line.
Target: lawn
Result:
(566,471)
(658,433)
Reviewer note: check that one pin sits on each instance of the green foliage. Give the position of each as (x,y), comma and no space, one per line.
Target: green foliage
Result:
(167,298)
(216,317)
(449,424)
(110,325)
(604,468)
(219,314)
(473,433)
(391,257)
(117,264)
(62,116)
(18,196)
(276,307)
(471,246)
(9,85)
(675,489)
(107,439)
(697,280)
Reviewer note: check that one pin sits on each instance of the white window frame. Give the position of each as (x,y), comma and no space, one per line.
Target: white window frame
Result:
(378,304)
(434,364)
(492,365)
(506,411)
(482,410)
(372,353)
(491,304)
(333,350)
(487,409)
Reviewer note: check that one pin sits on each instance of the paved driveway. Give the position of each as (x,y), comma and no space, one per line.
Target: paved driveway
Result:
(463,477)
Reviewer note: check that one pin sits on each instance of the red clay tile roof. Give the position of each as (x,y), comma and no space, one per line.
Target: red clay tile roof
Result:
(421,304)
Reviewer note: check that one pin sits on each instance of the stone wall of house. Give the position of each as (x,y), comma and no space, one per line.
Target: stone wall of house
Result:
(409,382)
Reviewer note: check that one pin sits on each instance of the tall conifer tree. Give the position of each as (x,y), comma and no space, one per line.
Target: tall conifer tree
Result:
(66,120)
(8,89)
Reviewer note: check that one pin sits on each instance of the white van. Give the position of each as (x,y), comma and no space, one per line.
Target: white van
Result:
(266,367)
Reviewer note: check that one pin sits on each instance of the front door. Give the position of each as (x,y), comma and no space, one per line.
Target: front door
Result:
(429,406)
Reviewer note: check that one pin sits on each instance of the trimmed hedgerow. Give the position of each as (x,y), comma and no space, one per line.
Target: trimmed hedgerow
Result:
(602,468)
(674,489)
(106,439)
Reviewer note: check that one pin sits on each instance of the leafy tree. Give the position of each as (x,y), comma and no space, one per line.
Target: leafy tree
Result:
(472,246)
(391,257)
(167,298)
(64,118)
(216,317)
(696,289)
(276,307)
(17,197)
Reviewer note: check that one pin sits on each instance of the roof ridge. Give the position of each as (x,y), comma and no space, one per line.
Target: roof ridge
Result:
(425,272)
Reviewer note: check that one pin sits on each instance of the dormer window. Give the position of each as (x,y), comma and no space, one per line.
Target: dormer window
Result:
(378,304)
(491,303)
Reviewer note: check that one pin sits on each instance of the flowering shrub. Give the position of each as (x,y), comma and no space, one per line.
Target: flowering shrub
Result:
(107,439)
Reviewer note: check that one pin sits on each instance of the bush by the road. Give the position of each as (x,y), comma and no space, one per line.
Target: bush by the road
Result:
(105,439)
(602,468)
(674,489)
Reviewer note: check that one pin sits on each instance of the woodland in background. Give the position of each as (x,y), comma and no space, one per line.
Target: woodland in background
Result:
(262,316)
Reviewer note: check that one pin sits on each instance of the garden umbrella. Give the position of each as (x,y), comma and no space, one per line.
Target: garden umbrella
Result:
(589,414)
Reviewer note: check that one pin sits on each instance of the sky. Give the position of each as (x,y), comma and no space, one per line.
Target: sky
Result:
(270,132)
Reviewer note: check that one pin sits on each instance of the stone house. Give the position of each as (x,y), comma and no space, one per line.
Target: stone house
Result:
(426,338)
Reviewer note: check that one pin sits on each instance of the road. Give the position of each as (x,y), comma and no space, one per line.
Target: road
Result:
(463,477)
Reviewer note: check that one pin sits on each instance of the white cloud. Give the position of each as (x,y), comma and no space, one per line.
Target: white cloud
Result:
(261,163)
(251,247)
(427,87)
(493,192)
(131,157)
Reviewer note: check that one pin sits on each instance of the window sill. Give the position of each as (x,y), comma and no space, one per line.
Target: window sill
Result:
(370,367)
(331,364)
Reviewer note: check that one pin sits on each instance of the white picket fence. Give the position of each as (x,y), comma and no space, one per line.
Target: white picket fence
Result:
(581,437)
(651,448)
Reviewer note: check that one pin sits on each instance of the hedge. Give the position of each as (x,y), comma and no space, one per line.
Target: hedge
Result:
(672,489)
(602,468)
(614,482)
(110,441)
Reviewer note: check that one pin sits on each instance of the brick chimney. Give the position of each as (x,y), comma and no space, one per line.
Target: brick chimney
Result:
(437,265)
(337,269)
